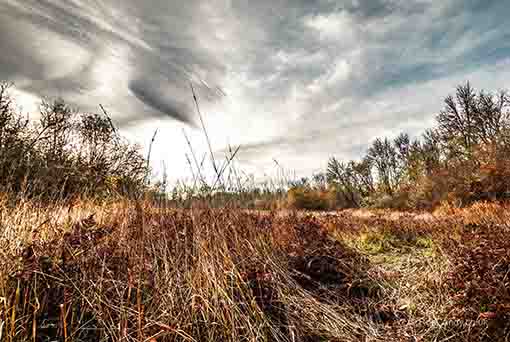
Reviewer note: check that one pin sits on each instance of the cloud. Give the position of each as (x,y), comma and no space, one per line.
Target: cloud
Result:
(156,97)
(333,25)
(304,79)
(25,58)
(91,52)
(338,73)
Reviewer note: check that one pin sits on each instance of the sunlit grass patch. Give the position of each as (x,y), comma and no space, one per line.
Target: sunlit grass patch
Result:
(373,242)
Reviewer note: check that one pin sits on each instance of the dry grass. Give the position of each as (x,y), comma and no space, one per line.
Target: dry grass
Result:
(128,271)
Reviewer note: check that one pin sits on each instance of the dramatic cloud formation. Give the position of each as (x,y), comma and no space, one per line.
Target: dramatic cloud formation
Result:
(304,79)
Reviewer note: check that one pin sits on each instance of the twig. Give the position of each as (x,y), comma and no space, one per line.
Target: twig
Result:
(233,155)
(194,156)
(192,172)
(149,155)
(204,128)
(108,117)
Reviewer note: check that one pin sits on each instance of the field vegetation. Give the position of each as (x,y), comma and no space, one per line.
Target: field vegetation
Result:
(408,244)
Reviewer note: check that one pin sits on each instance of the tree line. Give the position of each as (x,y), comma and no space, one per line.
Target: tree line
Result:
(64,153)
(463,158)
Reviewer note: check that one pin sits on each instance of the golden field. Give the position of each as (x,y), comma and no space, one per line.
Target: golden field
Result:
(133,271)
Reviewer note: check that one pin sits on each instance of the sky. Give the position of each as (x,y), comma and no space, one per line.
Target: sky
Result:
(295,81)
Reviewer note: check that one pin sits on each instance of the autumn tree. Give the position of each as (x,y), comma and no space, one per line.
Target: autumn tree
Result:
(353,179)
(469,119)
(384,157)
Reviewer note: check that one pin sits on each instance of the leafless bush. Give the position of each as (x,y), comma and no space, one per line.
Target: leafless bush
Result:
(65,153)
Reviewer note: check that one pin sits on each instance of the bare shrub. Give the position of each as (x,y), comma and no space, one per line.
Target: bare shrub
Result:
(65,153)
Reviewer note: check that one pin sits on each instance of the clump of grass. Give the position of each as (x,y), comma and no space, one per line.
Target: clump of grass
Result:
(126,271)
